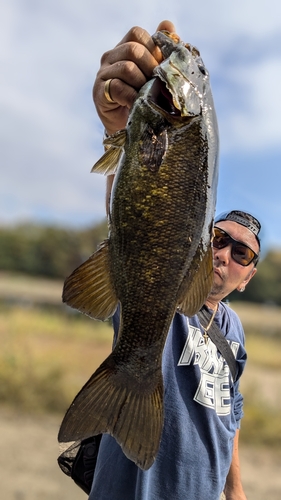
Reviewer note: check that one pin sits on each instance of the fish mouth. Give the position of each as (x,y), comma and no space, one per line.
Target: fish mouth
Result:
(161,99)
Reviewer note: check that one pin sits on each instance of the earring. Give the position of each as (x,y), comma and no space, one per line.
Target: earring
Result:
(241,289)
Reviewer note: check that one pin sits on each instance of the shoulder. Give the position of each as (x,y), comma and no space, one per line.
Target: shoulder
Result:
(230,322)
(229,312)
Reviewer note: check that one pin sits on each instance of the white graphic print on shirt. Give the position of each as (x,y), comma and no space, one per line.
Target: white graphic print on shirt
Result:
(213,390)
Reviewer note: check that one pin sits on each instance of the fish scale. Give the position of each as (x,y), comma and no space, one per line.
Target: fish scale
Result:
(157,258)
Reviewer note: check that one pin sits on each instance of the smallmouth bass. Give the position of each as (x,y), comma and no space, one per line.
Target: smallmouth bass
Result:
(158,257)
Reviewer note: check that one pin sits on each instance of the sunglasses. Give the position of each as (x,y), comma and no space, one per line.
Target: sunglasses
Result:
(242,254)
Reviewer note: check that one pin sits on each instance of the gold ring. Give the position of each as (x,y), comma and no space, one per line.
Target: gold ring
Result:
(107,91)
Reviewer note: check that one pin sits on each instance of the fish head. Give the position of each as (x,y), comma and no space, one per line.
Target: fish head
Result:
(183,74)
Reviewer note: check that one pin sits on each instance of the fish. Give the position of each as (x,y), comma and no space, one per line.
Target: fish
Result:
(157,259)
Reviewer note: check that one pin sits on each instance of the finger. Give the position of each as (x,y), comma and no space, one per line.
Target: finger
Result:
(113,115)
(166,25)
(130,58)
(121,93)
(142,37)
(145,56)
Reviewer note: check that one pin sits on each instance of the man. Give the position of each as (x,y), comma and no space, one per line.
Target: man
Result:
(198,455)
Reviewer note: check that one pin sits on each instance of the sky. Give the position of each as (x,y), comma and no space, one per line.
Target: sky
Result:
(51,136)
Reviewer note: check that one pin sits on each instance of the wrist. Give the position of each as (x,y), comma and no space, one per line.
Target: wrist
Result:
(234,491)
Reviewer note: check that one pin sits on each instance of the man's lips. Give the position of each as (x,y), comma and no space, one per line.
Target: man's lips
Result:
(218,272)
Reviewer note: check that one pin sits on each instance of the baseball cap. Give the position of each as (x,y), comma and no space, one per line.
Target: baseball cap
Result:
(243,218)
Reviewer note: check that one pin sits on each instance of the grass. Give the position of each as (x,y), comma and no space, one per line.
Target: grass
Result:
(261,387)
(261,424)
(29,290)
(47,354)
(264,352)
(263,319)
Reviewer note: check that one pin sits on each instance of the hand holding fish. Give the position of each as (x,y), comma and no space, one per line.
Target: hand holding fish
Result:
(129,65)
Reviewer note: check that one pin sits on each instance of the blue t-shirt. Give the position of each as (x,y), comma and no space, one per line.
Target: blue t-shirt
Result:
(203,408)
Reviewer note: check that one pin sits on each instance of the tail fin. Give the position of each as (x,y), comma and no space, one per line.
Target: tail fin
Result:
(114,402)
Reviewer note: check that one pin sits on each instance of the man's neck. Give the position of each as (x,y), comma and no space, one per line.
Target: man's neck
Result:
(212,303)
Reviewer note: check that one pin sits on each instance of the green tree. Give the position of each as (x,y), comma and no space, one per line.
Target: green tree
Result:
(46,250)
(266,284)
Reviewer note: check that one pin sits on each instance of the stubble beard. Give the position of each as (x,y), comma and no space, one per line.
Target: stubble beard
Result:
(218,291)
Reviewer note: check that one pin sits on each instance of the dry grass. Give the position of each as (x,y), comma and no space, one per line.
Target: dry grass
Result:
(261,382)
(264,351)
(259,318)
(46,356)
(29,290)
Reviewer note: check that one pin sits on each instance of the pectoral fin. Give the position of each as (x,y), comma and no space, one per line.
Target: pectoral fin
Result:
(114,145)
(90,289)
(194,290)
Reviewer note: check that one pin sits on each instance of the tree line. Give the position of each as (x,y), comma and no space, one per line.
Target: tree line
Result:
(47,251)
(55,252)
(265,287)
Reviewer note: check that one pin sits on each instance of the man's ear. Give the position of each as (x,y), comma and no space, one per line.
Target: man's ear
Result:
(242,285)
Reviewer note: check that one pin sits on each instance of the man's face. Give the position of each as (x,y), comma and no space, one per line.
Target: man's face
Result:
(228,274)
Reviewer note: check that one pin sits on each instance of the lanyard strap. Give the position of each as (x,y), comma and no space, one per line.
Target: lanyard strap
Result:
(218,338)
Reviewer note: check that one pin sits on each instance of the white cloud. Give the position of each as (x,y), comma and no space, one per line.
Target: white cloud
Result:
(251,116)
(49,55)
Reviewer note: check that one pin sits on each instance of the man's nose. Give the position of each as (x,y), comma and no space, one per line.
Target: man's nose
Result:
(223,254)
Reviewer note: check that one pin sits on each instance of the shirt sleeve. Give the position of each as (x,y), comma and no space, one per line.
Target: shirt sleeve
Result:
(238,404)
(236,334)
(241,362)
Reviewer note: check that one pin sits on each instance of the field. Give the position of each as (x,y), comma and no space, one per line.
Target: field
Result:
(48,352)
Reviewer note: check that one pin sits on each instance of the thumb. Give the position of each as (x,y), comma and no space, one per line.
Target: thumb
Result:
(166,25)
